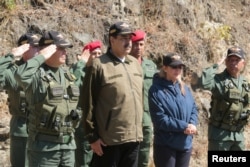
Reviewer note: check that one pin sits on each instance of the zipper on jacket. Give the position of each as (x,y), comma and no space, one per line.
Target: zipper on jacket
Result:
(130,83)
(108,120)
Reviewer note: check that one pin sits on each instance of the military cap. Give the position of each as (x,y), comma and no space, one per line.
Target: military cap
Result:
(120,28)
(172,59)
(54,37)
(28,38)
(236,51)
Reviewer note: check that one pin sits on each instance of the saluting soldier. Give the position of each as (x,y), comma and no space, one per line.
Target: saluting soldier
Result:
(27,48)
(90,51)
(229,102)
(52,98)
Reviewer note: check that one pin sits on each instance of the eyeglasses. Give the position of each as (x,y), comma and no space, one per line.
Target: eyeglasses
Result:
(177,67)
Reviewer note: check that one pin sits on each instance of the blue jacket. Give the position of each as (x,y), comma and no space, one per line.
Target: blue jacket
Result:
(171,113)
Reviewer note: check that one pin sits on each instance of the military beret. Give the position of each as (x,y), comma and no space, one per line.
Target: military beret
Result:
(139,35)
(92,46)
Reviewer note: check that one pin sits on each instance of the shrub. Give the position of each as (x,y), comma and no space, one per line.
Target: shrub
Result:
(9,4)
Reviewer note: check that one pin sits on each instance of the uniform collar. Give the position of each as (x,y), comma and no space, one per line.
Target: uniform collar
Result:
(117,60)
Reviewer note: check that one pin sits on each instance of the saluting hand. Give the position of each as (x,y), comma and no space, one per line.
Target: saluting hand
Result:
(48,51)
(221,60)
(85,55)
(19,51)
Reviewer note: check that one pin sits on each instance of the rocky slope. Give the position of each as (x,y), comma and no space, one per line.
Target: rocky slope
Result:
(200,30)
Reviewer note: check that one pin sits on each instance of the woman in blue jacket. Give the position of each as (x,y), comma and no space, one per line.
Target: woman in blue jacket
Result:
(174,115)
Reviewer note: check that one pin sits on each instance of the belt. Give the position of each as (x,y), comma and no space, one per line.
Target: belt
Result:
(233,128)
(62,139)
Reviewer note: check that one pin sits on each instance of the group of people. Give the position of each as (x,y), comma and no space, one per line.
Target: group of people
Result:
(99,112)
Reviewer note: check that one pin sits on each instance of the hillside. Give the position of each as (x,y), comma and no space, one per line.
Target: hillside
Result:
(200,30)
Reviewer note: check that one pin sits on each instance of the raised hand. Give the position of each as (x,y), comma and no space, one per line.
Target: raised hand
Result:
(85,55)
(19,51)
(221,60)
(48,51)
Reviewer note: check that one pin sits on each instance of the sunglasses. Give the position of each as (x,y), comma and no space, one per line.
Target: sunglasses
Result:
(177,67)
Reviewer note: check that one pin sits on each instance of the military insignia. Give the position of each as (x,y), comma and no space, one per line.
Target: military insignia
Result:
(73,76)
(112,31)
(34,37)
(176,57)
(70,76)
(48,41)
(124,25)
(235,50)
(60,36)
(24,42)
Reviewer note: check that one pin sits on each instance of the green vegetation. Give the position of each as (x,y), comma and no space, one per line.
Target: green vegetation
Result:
(224,32)
(9,4)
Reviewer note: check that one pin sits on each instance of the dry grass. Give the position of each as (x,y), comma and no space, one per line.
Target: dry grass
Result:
(172,26)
